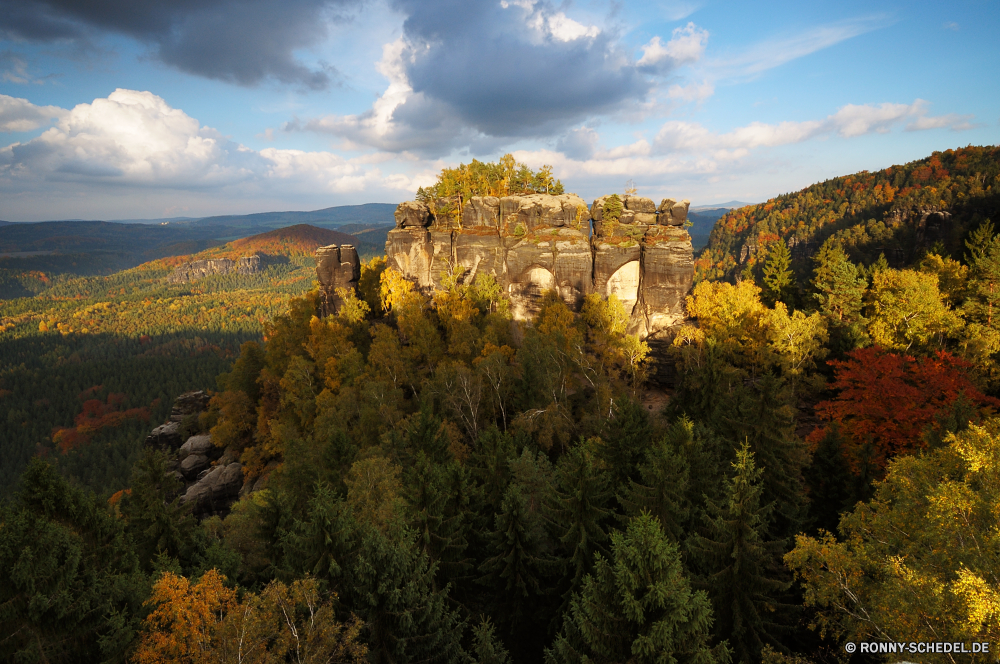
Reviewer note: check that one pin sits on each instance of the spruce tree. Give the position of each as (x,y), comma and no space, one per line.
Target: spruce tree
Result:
(840,286)
(744,569)
(390,586)
(71,589)
(583,495)
(779,280)
(638,607)
(664,481)
(625,440)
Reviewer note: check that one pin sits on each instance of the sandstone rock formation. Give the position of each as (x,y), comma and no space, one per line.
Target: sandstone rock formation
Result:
(336,267)
(196,270)
(211,478)
(540,242)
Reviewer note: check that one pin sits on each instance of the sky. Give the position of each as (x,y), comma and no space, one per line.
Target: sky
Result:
(125,109)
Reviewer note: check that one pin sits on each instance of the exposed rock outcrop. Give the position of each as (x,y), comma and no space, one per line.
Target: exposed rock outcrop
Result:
(211,477)
(337,266)
(540,242)
(196,270)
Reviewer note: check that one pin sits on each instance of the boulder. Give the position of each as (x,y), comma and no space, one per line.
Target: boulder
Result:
(412,214)
(215,490)
(673,213)
(640,204)
(165,437)
(192,465)
(189,403)
(198,445)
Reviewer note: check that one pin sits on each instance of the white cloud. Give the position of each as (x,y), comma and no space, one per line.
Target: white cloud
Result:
(775,52)
(692,92)
(21,115)
(136,139)
(555,25)
(849,121)
(686,45)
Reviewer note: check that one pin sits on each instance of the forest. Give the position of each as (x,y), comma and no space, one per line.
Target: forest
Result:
(439,483)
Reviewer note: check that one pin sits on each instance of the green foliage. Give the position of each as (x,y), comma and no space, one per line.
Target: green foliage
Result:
(867,213)
(742,566)
(507,177)
(779,281)
(71,589)
(638,606)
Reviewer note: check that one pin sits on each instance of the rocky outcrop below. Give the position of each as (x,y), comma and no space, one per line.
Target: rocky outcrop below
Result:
(212,478)
(337,267)
(536,243)
(196,270)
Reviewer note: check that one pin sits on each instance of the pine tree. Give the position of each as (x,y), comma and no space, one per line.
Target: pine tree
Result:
(744,569)
(156,519)
(522,559)
(71,589)
(664,481)
(638,607)
(625,440)
(840,285)
(983,257)
(390,586)
(779,280)
(582,509)
(486,645)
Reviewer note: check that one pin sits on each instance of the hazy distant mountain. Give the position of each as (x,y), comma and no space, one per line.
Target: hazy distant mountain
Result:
(728,205)
(369,214)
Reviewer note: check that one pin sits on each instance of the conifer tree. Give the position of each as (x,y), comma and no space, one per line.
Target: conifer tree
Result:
(390,586)
(625,440)
(638,607)
(840,285)
(71,589)
(779,280)
(664,481)
(583,495)
(156,519)
(487,647)
(743,567)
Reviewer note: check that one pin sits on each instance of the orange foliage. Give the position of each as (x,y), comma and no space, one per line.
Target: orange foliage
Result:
(888,400)
(185,618)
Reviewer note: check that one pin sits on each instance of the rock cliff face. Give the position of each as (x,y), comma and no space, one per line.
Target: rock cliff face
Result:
(541,242)
(337,266)
(200,269)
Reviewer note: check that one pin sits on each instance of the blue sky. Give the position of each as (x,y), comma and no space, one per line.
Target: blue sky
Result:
(159,108)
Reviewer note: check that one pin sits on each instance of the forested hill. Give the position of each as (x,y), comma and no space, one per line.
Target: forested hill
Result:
(901,211)
(298,240)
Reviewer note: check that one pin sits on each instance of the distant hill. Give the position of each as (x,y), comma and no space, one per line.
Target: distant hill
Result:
(702,222)
(728,205)
(368,214)
(298,240)
(901,211)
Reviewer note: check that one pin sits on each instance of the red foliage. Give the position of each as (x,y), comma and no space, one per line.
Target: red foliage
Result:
(888,400)
(95,416)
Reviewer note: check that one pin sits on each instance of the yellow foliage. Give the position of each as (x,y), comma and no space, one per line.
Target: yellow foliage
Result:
(374,492)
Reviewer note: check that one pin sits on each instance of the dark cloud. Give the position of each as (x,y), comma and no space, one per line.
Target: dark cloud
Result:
(578,143)
(512,71)
(230,40)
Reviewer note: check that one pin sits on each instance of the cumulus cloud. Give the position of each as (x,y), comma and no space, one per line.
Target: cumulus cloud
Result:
(849,121)
(21,115)
(579,143)
(240,41)
(481,74)
(686,45)
(135,139)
